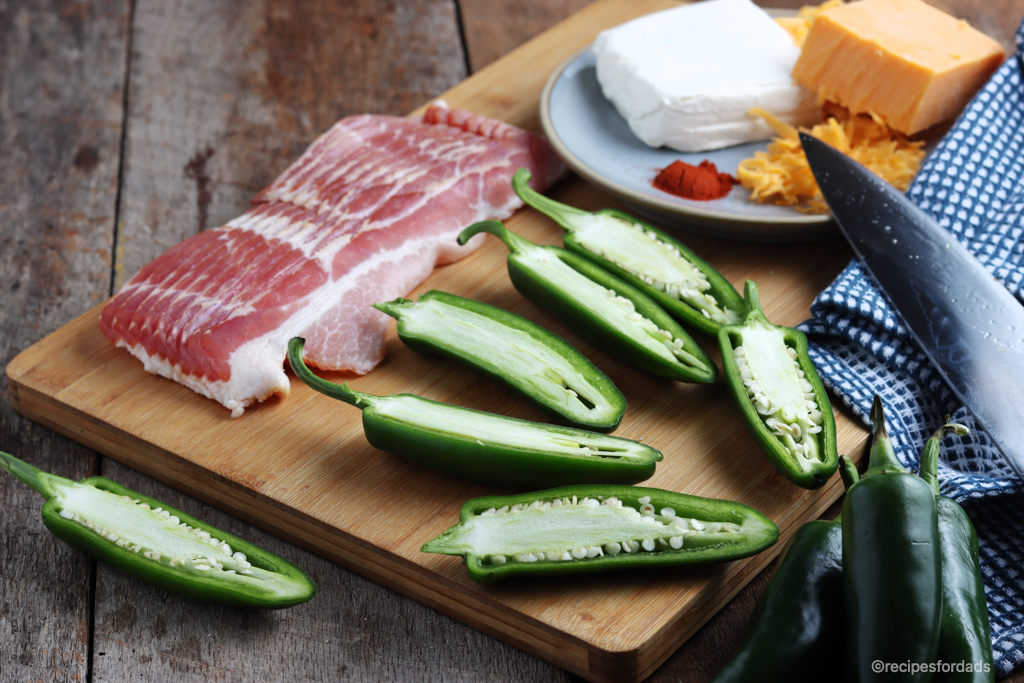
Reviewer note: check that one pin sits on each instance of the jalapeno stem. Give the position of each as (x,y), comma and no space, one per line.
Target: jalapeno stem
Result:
(755,313)
(556,211)
(513,241)
(338,391)
(848,471)
(930,454)
(33,477)
(882,458)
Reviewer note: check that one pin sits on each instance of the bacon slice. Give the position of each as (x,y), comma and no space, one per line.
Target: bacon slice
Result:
(362,216)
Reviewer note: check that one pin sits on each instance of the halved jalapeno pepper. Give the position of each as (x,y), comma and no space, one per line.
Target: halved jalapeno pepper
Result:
(597,528)
(602,307)
(483,447)
(779,395)
(538,364)
(664,268)
(964,634)
(162,545)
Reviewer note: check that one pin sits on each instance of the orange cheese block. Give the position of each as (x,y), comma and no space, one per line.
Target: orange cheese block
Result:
(907,62)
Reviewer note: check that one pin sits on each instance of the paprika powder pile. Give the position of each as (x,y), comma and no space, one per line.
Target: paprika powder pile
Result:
(702,183)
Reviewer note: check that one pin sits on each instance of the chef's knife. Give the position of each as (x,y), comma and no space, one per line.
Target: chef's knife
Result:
(966,321)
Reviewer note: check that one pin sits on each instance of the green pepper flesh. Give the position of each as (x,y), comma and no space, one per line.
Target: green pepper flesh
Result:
(891,564)
(779,395)
(162,545)
(665,269)
(595,528)
(485,447)
(601,307)
(795,629)
(964,634)
(524,356)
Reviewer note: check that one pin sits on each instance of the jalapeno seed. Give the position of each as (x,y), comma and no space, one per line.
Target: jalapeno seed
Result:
(162,546)
(522,532)
(689,288)
(779,395)
(524,356)
(614,314)
(606,527)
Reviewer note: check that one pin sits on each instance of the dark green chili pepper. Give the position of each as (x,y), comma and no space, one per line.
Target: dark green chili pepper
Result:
(484,447)
(615,315)
(964,635)
(779,395)
(595,528)
(664,268)
(521,354)
(161,545)
(891,566)
(796,627)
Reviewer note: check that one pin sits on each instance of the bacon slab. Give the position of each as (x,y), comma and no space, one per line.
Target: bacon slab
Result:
(362,216)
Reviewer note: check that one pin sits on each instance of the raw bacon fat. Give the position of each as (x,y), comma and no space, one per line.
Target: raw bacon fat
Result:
(362,216)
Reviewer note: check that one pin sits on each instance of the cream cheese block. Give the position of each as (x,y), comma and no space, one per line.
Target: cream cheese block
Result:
(687,77)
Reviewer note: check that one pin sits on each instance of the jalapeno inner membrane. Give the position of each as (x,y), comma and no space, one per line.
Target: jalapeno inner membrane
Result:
(567,528)
(155,534)
(510,352)
(488,429)
(642,254)
(780,393)
(618,311)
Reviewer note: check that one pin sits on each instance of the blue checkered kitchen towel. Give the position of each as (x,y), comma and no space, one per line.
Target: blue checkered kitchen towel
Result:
(973,184)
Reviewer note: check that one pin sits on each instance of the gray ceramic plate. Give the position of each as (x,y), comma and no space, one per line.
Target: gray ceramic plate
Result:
(596,143)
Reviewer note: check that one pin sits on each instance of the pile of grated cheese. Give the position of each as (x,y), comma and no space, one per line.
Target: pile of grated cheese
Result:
(781,175)
(799,25)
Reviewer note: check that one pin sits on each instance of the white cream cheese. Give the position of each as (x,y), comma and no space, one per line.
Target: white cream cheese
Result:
(687,77)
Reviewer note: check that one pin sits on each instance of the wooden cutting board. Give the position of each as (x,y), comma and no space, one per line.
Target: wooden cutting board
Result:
(300,467)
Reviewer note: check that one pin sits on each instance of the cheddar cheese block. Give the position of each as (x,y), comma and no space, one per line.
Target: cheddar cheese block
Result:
(902,60)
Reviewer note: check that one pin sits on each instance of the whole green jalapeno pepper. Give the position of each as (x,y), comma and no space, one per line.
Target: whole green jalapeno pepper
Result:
(779,396)
(596,528)
(602,307)
(524,356)
(661,266)
(161,545)
(964,635)
(483,447)
(891,566)
(797,624)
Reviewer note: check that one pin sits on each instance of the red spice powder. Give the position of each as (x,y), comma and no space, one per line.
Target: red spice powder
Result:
(702,182)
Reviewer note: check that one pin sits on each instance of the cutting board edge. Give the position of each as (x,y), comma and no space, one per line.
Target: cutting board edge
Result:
(382,567)
(31,393)
(586,659)
(392,571)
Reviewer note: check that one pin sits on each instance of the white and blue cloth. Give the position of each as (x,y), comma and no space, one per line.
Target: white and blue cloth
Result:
(973,185)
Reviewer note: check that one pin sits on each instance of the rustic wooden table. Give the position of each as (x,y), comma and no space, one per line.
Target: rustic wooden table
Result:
(128,126)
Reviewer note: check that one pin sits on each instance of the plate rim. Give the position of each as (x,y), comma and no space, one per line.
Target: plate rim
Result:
(705,216)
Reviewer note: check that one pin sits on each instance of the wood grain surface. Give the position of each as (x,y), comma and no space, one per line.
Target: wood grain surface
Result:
(64,75)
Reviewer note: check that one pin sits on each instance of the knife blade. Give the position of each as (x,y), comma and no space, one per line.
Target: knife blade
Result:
(968,324)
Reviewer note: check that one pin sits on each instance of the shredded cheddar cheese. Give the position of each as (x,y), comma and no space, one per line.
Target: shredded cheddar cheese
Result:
(799,25)
(781,174)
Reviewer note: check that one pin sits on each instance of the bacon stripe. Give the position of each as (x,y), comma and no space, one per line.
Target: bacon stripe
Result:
(362,216)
